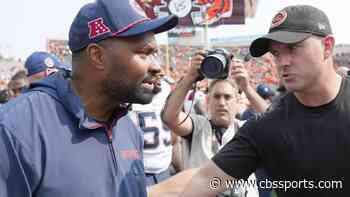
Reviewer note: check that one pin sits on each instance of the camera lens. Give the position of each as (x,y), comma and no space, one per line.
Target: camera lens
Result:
(213,65)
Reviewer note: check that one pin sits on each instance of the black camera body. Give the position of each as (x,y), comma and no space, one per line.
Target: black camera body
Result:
(216,64)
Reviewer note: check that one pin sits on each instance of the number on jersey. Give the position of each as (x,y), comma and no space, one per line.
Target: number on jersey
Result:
(149,123)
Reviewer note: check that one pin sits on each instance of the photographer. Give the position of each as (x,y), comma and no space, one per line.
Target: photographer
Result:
(203,137)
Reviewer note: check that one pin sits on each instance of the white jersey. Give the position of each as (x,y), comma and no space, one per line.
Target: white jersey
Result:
(157,137)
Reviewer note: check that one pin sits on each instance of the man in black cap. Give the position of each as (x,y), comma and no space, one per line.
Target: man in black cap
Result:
(72,139)
(304,143)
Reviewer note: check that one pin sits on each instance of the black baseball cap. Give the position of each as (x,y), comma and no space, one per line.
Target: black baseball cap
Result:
(291,25)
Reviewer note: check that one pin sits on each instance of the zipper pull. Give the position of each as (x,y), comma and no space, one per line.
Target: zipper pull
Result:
(109,134)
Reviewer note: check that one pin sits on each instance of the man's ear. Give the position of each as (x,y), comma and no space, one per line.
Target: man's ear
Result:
(95,55)
(328,43)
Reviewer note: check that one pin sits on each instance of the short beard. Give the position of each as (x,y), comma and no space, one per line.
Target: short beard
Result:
(121,92)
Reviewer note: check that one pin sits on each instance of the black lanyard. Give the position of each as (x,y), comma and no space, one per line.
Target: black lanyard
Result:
(218,131)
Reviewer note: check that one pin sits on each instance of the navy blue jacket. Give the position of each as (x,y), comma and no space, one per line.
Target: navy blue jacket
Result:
(49,147)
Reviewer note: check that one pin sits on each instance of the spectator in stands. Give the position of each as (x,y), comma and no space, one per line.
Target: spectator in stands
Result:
(40,65)
(18,84)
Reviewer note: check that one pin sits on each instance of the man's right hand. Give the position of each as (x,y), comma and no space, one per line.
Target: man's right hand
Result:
(195,63)
(172,114)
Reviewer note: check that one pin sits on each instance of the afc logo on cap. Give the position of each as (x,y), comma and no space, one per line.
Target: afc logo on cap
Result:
(97,28)
(49,62)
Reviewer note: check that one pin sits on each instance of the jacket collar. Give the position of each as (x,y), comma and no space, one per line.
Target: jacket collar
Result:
(71,102)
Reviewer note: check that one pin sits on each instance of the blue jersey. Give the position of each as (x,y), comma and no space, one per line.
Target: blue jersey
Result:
(50,147)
